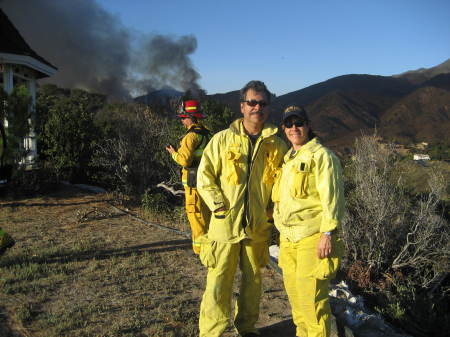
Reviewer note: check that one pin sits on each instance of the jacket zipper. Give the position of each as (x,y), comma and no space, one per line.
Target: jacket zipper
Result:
(252,155)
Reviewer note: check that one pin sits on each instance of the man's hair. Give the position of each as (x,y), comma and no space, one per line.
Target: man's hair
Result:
(257,86)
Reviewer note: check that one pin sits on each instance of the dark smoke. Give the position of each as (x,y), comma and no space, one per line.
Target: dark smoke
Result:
(93,50)
(166,62)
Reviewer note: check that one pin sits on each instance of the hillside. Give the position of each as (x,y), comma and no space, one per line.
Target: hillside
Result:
(423,115)
(409,107)
(355,84)
(423,74)
(343,107)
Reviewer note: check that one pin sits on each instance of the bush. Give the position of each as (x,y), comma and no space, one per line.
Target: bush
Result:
(31,181)
(66,130)
(396,242)
(218,115)
(156,202)
(132,156)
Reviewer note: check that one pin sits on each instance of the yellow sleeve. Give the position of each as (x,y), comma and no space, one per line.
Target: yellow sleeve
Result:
(208,175)
(185,154)
(330,188)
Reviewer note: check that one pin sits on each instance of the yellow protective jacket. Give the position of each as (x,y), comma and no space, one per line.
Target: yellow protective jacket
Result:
(308,193)
(190,150)
(229,177)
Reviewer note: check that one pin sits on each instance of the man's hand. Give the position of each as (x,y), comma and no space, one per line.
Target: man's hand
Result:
(324,246)
(170,149)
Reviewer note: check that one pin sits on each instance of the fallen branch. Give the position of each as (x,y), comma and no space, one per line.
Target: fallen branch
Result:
(170,189)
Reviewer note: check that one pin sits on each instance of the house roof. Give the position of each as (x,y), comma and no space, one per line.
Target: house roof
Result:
(14,44)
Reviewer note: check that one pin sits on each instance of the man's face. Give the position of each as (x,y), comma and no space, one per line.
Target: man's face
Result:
(258,113)
(187,122)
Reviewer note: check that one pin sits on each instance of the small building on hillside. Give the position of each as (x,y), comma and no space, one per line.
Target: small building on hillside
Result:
(21,65)
(418,156)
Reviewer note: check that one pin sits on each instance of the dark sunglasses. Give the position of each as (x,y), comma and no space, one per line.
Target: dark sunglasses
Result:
(298,123)
(254,102)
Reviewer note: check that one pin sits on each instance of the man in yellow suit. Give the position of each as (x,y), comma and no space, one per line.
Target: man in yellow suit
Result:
(235,179)
(188,156)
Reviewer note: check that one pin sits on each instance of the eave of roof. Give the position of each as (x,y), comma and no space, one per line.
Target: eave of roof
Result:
(43,69)
(14,49)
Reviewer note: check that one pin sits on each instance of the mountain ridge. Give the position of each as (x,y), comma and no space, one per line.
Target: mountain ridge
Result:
(343,107)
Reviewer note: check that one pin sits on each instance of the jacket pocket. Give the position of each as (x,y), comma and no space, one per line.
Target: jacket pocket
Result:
(276,186)
(233,160)
(299,187)
(208,253)
(327,268)
(270,164)
(192,202)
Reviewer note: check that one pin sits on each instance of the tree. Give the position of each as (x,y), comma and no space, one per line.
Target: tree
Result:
(66,129)
(132,155)
(219,115)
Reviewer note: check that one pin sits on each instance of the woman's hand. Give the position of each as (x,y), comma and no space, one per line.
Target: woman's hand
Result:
(324,246)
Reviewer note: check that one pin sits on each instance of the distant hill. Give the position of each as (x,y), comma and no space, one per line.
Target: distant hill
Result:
(423,115)
(345,103)
(160,97)
(409,107)
(440,81)
(423,74)
(377,85)
(230,98)
(344,107)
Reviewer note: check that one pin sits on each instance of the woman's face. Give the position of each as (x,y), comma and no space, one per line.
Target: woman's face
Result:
(296,131)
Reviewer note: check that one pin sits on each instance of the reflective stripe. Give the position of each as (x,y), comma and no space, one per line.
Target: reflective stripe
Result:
(190,108)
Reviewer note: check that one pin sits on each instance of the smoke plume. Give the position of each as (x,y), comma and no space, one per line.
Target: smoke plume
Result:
(93,50)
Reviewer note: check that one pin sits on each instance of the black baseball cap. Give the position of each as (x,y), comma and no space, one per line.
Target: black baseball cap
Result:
(294,110)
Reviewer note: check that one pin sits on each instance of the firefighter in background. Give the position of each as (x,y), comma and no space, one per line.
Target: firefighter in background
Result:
(6,241)
(188,156)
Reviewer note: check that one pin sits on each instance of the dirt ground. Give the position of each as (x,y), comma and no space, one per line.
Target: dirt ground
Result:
(82,268)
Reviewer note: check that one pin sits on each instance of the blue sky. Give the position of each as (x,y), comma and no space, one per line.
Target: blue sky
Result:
(293,44)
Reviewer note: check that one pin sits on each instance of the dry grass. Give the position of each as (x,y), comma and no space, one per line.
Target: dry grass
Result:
(80,268)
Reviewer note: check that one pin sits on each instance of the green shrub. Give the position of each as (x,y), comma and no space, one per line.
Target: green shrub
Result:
(67,131)
(397,243)
(156,202)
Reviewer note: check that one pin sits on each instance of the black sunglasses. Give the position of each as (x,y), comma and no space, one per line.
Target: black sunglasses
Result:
(290,123)
(254,102)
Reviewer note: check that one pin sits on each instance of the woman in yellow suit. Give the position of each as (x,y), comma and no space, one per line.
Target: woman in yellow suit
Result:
(308,209)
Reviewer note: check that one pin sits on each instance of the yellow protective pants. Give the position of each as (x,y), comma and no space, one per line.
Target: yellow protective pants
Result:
(198,215)
(307,292)
(222,260)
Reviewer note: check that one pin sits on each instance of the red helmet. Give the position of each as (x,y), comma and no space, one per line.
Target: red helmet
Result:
(190,109)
